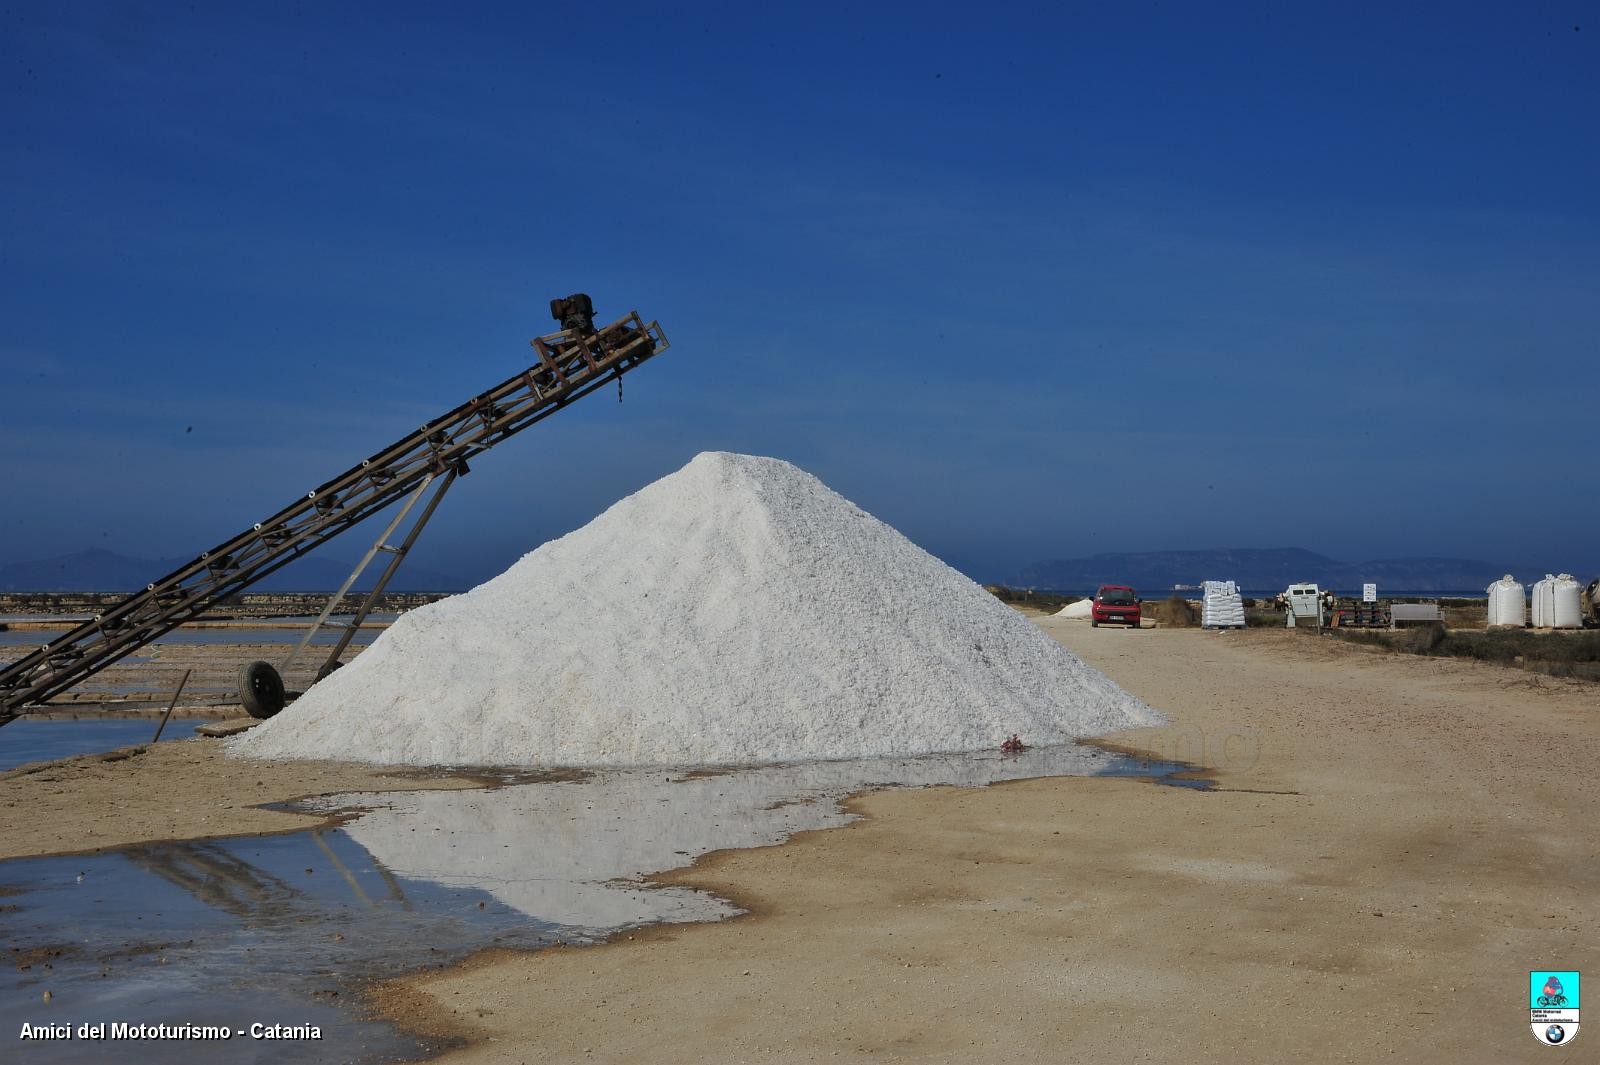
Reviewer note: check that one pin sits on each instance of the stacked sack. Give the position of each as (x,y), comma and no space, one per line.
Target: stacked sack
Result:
(1222,608)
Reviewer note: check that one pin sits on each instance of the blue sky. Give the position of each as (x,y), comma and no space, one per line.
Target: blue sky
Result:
(1025,281)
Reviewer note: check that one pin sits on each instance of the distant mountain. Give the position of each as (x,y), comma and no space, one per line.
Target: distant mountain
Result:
(1270,568)
(107,571)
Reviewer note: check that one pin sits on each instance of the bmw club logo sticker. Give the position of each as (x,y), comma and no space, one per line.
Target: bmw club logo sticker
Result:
(1553,1006)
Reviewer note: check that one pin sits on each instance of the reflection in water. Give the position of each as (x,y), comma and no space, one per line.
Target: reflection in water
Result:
(278,928)
(218,878)
(395,892)
(271,929)
(576,853)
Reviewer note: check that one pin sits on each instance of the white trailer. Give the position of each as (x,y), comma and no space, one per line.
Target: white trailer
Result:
(1303,605)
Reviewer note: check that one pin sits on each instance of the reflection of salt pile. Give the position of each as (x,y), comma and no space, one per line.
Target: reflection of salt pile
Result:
(736,611)
(1222,607)
(573,853)
(1082,610)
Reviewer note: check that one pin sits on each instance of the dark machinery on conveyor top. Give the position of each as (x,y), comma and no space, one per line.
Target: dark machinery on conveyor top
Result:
(572,363)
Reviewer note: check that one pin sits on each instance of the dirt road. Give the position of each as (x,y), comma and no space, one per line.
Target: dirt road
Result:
(1394,843)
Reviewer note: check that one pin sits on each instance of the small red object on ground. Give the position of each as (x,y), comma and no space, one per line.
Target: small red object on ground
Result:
(1013,745)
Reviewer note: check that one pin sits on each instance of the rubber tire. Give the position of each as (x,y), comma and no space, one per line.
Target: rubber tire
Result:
(1093,624)
(260,689)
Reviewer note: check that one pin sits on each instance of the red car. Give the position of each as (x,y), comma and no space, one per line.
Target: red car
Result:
(1115,603)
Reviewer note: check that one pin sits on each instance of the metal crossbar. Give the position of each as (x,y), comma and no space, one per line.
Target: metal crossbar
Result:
(396,556)
(336,598)
(569,368)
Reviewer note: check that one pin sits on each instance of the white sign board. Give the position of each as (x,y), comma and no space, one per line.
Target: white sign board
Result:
(1369,593)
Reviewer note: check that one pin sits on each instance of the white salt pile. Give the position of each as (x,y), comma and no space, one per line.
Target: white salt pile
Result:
(737,611)
(1082,610)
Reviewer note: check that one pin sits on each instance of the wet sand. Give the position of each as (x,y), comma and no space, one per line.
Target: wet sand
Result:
(184,790)
(1393,844)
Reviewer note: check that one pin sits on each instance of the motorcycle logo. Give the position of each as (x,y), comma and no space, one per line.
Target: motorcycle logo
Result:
(1553,1006)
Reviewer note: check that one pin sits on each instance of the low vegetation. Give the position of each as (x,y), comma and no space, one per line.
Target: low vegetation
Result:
(1559,654)
(1176,612)
(1261,614)
(1051,601)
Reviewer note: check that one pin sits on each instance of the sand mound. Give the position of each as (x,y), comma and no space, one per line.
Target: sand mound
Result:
(737,611)
(1079,611)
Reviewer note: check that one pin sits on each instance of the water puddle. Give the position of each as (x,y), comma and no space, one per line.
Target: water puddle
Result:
(270,930)
(285,929)
(38,740)
(577,852)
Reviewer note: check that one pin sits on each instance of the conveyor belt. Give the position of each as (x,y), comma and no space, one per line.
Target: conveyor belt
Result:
(568,368)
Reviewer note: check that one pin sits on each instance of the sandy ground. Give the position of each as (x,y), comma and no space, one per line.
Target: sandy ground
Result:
(182,790)
(1394,843)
